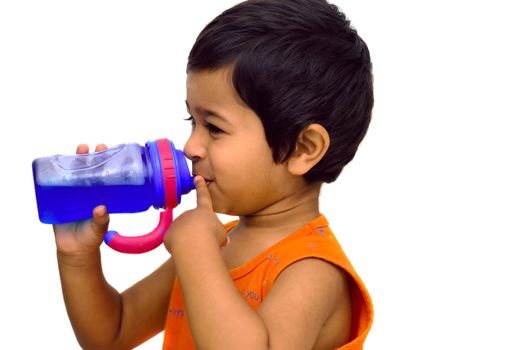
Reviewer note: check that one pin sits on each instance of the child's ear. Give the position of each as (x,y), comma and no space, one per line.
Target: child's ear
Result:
(311,146)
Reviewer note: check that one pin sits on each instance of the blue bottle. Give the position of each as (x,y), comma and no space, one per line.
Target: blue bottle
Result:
(127,178)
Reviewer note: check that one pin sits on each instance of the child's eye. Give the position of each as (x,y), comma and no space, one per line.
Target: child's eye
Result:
(213,129)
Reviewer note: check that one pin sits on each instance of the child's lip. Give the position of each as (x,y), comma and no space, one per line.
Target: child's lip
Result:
(207,181)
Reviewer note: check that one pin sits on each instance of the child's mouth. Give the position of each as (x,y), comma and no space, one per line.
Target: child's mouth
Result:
(207,181)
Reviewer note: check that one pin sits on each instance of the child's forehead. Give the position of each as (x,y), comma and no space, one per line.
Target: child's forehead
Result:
(218,76)
(207,101)
(212,90)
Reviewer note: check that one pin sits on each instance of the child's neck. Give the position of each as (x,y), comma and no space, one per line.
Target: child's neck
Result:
(257,232)
(290,213)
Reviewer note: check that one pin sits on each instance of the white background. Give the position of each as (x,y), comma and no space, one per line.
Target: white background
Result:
(429,212)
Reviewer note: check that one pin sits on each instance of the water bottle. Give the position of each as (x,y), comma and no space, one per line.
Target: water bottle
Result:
(127,178)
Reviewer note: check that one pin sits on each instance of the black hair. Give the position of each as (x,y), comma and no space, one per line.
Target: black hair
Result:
(295,62)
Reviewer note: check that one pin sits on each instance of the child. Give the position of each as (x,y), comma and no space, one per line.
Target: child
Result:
(279,95)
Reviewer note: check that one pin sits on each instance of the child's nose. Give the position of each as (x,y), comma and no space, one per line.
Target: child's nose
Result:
(194,148)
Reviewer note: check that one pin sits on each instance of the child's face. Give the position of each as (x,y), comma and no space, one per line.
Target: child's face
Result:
(228,148)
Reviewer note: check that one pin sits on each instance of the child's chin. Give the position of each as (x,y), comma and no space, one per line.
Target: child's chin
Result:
(219,209)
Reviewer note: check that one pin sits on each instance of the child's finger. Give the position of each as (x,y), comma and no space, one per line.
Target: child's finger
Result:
(100,220)
(100,147)
(203,197)
(82,148)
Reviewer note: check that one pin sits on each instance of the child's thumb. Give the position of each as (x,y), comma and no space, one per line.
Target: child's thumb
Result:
(100,221)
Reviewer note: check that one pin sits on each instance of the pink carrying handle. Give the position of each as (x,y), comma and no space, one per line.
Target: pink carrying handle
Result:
(140,244)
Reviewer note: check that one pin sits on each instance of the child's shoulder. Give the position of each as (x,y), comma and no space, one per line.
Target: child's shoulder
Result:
(313,256)
(314,240)
(307,269)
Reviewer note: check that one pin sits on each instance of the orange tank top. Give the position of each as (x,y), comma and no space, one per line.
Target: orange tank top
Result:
(255,279)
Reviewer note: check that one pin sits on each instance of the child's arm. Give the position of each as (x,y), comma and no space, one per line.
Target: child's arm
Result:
(290,318)
(101,317)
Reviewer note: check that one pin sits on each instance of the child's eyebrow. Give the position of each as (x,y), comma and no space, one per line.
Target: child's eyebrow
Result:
(208,112)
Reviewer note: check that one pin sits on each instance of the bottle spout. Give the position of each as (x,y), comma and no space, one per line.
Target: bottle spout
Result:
(185,178)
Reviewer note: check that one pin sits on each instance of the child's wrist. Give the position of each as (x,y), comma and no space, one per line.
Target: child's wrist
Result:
(78,260)
(193,241)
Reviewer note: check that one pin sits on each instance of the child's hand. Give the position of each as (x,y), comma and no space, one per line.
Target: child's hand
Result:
(198,223)
(83,237)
